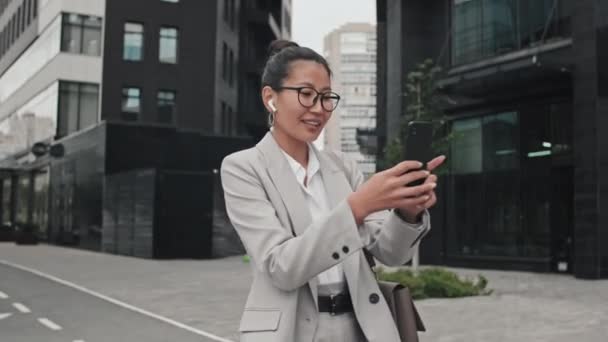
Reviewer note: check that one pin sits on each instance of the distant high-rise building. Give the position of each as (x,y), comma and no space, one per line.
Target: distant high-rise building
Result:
(351,53)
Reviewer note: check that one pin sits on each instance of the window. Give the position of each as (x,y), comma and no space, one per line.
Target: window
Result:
(133,42)
(227,119)
(19,21)
(131,103)
(165,104)
(228,64)
(81,34)
(286,20)
(12,30)
(167,48)
(23,17)
(225,62)
(227,11)
(78,103)
(230,13)
(2,47)
(28,12)
(230,67)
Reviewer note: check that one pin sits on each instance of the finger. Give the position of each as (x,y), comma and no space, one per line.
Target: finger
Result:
(412,202)
(412,176)
(416,191)
(432,200)
(404,167)
(431,179)
(435,163)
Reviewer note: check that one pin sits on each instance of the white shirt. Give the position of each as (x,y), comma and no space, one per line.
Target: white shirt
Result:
(333,279)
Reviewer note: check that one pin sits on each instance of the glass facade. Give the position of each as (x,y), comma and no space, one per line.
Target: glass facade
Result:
(22,199)
(78,107)
(40,201)
(34,121)
(500,188)
(167,48)
(6,201)
(133,43)
(483,28)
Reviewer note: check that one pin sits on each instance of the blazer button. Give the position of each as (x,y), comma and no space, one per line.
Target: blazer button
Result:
(345,249)
(374,298)
(336,256)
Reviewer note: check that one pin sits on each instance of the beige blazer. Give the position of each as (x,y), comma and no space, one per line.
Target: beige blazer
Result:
(266,207)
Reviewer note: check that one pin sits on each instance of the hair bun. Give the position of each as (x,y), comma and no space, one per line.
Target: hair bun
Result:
(277,45)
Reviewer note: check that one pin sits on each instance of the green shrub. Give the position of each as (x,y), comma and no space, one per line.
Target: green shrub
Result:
(436,283)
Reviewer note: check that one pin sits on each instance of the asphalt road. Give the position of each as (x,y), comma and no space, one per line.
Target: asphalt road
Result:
(35,309)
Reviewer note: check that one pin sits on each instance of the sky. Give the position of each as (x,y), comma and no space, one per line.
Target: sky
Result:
(313,19)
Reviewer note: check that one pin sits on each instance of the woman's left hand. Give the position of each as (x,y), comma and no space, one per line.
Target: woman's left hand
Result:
(411,212)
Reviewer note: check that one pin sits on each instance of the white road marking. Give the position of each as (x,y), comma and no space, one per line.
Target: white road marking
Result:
(22,308)
(78,340)
(5,315)
(49,324)
(117,302)
(3,295)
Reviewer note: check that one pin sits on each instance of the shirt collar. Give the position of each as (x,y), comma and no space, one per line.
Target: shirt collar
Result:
(298,169)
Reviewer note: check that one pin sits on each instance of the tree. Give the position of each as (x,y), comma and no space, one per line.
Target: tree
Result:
(422,104)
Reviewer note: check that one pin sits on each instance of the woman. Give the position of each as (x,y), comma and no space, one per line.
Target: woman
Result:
(305,215)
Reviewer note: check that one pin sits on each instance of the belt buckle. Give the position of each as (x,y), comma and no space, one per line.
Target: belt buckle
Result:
(333,306)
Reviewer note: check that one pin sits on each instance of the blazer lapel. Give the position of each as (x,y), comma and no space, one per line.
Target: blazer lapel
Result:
(338,187)
(285,182)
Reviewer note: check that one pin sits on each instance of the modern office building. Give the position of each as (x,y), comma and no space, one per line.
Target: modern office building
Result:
(351,53)
(114,115)
(525,89)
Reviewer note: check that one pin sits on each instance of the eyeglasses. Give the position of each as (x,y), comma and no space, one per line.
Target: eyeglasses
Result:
(308,96)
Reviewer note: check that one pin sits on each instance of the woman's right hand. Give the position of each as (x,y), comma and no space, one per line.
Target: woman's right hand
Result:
(387,189)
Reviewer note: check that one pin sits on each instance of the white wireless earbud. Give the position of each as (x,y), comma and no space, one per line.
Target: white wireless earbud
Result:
(271,105)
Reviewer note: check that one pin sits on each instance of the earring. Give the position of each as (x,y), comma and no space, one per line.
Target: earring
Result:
(270,119)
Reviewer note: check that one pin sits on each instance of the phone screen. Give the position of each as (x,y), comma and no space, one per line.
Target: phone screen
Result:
(418,144)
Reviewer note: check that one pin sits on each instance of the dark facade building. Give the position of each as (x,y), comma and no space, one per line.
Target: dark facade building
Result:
(130,107)
(524,87)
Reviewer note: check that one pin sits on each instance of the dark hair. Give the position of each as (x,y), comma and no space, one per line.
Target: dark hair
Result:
(280,54)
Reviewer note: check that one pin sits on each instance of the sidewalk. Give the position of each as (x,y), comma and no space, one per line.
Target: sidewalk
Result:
(210,294)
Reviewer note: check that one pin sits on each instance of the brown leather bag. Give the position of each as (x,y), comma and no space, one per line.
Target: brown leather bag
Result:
(401,304)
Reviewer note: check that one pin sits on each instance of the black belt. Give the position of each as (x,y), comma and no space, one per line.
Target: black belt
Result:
(336,304)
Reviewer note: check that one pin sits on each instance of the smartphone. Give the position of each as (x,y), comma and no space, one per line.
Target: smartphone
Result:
(418,143)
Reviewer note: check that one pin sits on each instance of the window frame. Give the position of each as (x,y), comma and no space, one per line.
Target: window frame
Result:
(124,95)
(142,47)
(158,105)
(160,43)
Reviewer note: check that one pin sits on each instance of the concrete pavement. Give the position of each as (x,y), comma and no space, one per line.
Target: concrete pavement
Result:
(210,294)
